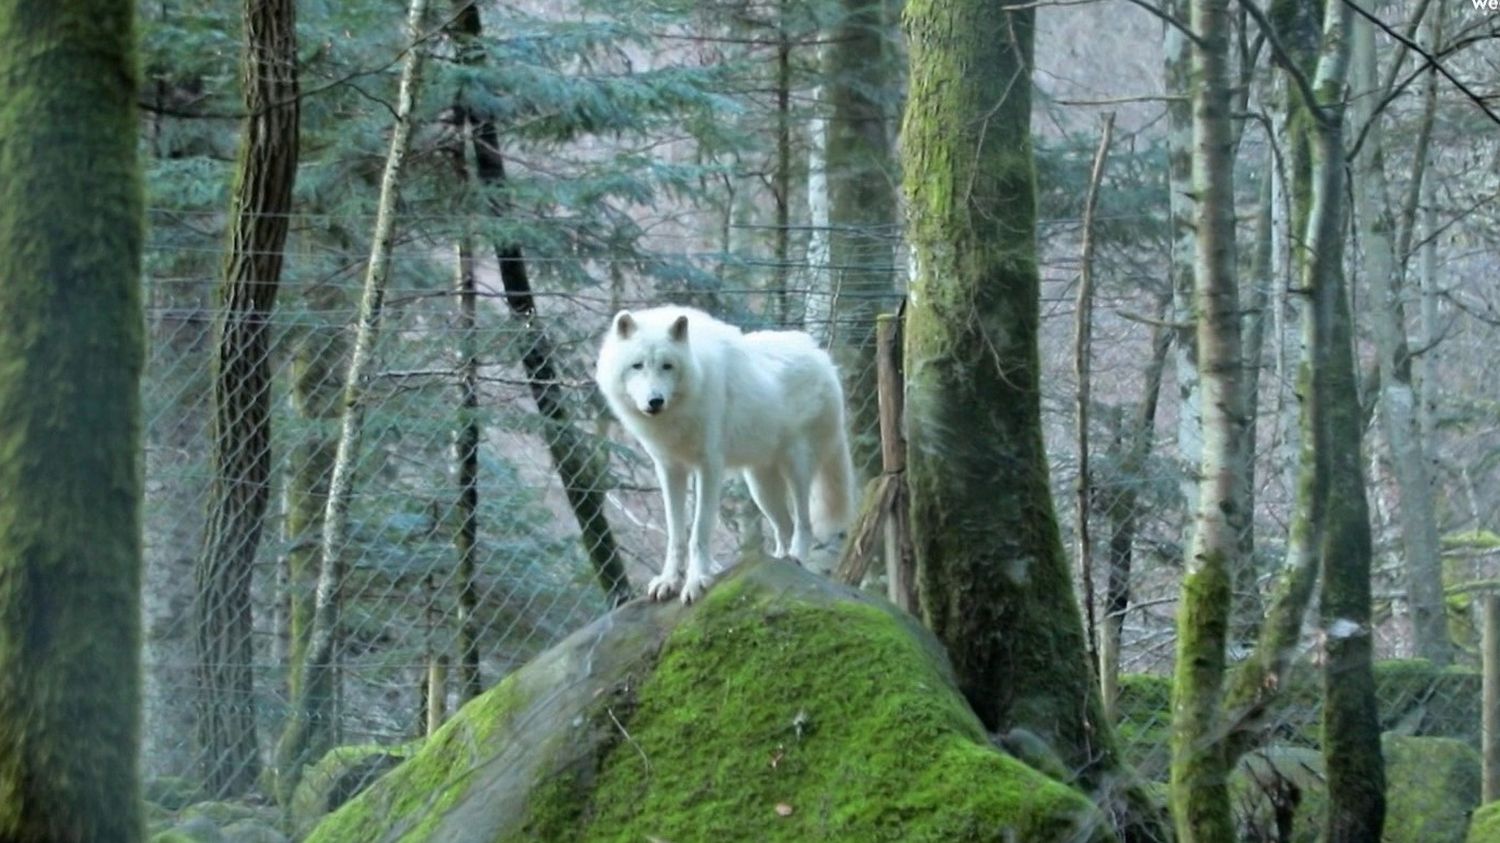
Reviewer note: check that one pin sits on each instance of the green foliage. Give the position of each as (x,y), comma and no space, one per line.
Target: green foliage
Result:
(1485,827)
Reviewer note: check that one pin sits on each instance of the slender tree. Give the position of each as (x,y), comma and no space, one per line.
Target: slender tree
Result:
(1200,769)
(1397,397)
(71,355)
(859,74)
(1122,506)
(316,685)
(993,581)
(1177,71)
(580,464)
(240,489)
(1351,725)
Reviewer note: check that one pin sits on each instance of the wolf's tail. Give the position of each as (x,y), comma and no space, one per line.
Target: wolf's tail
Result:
(833,485)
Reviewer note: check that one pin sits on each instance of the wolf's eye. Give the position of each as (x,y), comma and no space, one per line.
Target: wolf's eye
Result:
(638,366)
(666,367)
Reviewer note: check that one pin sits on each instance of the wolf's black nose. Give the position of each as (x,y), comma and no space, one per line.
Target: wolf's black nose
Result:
(655,404)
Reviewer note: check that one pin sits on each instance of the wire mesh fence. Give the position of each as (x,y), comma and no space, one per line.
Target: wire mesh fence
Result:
(469,550)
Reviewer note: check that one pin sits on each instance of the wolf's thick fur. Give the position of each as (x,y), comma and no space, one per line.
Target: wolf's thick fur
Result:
(701,397)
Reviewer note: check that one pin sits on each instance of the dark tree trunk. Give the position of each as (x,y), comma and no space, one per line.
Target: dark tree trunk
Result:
(862,199)
(240,489)
(71,355)
(579,463)
(1351,724)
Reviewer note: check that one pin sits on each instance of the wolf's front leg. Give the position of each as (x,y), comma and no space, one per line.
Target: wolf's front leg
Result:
(701,565)
(673,479)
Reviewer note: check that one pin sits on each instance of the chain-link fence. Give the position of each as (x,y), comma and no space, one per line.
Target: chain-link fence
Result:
(491,496)
(463,561)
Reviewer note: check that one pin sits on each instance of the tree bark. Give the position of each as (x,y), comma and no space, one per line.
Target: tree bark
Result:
(1397,396)
(71,356)
(1124,512)
(580,464)
(1083,334)
(1177,69)
(1200,770)
(466,455)
(862,202)
(993,581)
(240,489)
(1351,725)
(318,682)
(319,360)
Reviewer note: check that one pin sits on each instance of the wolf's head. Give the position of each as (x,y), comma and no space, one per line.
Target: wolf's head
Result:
(650,364)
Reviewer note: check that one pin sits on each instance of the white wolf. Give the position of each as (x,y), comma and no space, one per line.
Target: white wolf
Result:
(701,397)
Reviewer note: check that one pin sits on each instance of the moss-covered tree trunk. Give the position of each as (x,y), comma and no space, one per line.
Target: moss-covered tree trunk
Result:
(1200,770)
(320,355)
(71,354)
(860,74)
(993,580)
(240,488)
(1351,725)
(580,464)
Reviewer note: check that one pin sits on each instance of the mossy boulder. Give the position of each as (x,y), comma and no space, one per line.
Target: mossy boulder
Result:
(1432,785)
(1485,827)
(781,708)
(171,792)
(339,776)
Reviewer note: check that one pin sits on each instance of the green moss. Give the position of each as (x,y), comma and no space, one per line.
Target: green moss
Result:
(429,783)
(1485,827)
(1145,723)
(1433,785)
(863,741)
(339,776)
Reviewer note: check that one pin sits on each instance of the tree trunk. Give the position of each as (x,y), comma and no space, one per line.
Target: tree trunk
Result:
(1124,513)
(1200,770)
(1249,605)
(993,581)
(862,202)
(1397,397)
(70,423)
(580,464)
(1177,68)
(466,455)
(240,489)
(319,358)
(318,680)
(1351,725)
(1083,335)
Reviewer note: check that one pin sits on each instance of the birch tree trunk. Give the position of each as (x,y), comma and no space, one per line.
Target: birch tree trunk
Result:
(319,677)
(240,489)
(1199,774)
(71,356)
(1397,398)
(1177,68)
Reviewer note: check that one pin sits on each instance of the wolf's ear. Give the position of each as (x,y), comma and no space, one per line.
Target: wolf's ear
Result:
(678,331)
(624,325)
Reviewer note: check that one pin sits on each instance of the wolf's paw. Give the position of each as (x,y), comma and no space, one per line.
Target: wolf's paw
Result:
(663,586)
(695,586)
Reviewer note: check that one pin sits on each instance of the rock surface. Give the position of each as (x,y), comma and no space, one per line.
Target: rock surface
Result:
(782,707)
